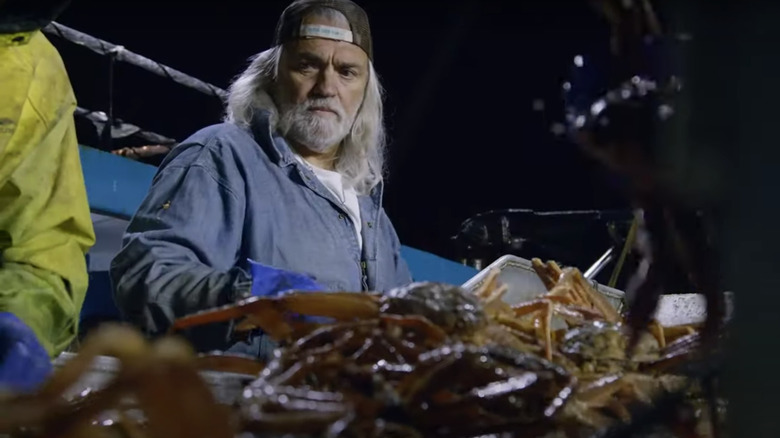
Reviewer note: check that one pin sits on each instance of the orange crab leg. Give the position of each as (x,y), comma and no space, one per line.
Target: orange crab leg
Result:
(273,321)
(229,364)
(267,313)
(575,315)
(419,322)
(546,319)
(131,351)
(221,314)
(491,282)
(673,333)
(529,307)
(682,349)
(549,273)
(657,330)
(598,300)
(545,307)
(568,293)
(338,305)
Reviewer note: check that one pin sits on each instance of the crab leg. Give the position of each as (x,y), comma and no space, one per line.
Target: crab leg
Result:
(490,283)
(172,380)
(594,297)
(493,303)
(418,322)
(543,321)
(131,351)
(158,374)
(603,393)
(576,315)
(549,273)
(682,349)
(338,305)
(599,392)
(673,333)
(267,313)
(657,330)
(221,314)
(229,364)
(303,422)
(568,293)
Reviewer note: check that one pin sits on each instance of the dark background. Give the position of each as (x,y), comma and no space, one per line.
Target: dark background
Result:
(464,84)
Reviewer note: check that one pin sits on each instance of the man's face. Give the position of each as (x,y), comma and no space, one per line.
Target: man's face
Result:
(321,84)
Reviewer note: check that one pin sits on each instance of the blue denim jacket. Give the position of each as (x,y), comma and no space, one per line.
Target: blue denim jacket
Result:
(227,194)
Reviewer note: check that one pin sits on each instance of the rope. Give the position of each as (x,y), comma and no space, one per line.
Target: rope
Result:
(121,54)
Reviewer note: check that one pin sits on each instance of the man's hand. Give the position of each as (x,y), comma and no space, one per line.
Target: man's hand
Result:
(24,363)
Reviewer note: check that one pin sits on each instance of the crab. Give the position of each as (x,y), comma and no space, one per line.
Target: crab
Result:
(466,390)
(340,373)
(339,379)
(569,297)
(444,311)
(157,376)
(599,348)
(600,403)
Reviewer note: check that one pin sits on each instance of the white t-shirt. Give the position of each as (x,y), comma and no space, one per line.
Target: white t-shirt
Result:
(342,190)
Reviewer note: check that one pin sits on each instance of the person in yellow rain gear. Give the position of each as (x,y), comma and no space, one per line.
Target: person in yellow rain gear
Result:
(45,224)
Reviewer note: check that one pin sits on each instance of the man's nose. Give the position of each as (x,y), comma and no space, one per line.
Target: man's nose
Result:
(326,83)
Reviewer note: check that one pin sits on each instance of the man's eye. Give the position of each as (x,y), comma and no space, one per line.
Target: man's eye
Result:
(348,73)
(305,67)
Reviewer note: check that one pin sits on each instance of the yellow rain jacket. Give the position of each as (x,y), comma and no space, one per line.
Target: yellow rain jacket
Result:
(45,224)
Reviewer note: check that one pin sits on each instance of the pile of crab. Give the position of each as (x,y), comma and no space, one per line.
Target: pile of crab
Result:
(425,360)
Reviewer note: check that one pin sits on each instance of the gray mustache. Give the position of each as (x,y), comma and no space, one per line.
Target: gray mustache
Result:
(329,104)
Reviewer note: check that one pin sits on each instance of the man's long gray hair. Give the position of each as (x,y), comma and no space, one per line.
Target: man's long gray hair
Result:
(361,155)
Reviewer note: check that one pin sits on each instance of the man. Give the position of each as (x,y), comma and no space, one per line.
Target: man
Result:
(45,226)
(286,194)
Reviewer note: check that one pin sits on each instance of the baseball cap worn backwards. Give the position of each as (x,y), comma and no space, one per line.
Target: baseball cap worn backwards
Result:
(291,25)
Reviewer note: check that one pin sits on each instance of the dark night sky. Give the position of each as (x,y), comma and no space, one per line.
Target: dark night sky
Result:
(461,79)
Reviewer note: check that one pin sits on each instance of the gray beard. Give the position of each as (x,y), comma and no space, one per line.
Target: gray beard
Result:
(314,131)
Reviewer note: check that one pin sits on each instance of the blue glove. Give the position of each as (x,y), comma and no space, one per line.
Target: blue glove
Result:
(24,363)
(268,281)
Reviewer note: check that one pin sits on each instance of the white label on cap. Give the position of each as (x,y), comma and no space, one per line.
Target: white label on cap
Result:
(320,31)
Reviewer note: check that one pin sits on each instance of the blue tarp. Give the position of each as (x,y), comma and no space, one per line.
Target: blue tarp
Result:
(115,185)
(429,267)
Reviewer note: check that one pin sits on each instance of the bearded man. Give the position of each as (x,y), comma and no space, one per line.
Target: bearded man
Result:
(286,194)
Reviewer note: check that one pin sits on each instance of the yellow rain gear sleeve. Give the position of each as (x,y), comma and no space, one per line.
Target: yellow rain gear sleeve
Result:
(45,223)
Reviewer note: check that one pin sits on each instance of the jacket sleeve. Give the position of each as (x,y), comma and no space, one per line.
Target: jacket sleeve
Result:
(45,223)
(181,247)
